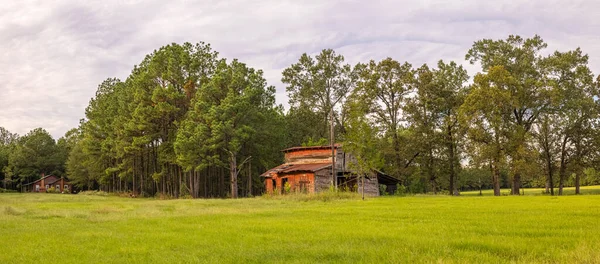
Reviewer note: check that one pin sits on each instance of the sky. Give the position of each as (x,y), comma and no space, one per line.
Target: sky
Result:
(53,54)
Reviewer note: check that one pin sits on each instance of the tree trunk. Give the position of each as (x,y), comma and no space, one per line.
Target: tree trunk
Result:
(549,179)
(452,187)
(133,185)
(562,176)
(496,177)
(250,179)
(431,174)
(516,185)
(397,157)
(233,175)
(577,178)
(563,166)
(221,182)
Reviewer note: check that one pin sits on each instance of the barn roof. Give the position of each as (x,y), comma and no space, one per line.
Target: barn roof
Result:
(291,167)
(386,179)
(311,147)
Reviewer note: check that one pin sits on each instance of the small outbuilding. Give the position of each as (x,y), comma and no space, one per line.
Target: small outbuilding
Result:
(46,183)
(309,170)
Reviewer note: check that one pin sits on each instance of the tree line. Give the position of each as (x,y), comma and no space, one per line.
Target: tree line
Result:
(186,122)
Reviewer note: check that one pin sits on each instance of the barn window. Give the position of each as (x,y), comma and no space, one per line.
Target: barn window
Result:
(58,187)
(37,187)
(66,186)
(47,186)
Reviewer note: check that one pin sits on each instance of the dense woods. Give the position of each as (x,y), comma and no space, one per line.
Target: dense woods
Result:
(187,123)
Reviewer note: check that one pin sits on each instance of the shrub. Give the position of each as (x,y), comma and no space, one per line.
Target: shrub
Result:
(382,190)
(287,187)
(7,191)
(400,190)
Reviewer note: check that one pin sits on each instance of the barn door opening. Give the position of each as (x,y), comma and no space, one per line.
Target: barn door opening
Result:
(284,181)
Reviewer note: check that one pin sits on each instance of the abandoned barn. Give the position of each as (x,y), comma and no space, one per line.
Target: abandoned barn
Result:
(46,183)
(309,169)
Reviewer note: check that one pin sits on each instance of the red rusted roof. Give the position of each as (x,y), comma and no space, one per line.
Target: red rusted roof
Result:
(337,145)
(290,167)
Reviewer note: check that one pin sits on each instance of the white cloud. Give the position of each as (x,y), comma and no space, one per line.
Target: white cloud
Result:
(55,54)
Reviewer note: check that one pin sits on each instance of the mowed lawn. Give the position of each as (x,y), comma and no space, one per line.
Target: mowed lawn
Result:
(54,228)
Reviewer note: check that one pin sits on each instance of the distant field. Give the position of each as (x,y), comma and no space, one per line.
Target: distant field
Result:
(54,228)
(539,191)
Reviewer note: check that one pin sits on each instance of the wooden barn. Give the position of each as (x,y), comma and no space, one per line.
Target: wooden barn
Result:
(46,182)
(308,169)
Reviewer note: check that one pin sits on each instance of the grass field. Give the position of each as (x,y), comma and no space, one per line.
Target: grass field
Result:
(53,228)
(585,190)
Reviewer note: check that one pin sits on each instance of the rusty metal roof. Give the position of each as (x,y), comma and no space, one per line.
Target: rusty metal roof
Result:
(337,145)
(291,167)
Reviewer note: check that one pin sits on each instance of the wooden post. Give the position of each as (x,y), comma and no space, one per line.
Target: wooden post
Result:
(363,187)
(332,142)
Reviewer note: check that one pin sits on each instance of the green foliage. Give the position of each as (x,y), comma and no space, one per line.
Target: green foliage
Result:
(184,192)
(226,114)
(382,92)
(401,190)
(361,142)
(34,154)
(7,191)
(316,87)
(312,142)
(188,123)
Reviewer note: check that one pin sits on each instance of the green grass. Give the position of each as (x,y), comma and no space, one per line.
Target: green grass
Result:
(53,228)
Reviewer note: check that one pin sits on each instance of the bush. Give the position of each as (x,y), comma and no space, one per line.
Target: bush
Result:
(7,191)
(400,190)
(383,190)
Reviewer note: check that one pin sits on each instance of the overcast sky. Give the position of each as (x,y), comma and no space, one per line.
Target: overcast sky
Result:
(53,54)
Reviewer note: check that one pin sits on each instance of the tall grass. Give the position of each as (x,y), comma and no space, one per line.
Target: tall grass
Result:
(321,196)
(299,229)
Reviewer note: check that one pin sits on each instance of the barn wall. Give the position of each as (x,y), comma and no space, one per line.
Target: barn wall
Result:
(300,181)
(322,180)
(371,186)
(309,156)
(269,185)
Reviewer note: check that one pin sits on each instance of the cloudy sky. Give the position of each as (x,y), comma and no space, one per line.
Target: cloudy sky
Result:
(53,54)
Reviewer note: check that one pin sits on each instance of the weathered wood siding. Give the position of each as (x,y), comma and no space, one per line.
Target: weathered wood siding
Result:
(322,180)
(371,186)
(308,156)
